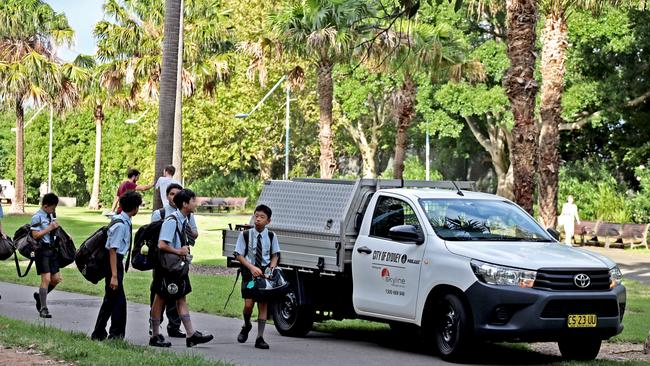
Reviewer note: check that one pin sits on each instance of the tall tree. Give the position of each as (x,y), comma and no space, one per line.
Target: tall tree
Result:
(29,70)
(323,31)
(521,88)
(555,40)
(167,105)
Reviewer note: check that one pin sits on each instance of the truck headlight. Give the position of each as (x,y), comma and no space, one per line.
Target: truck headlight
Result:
(500,275)
(615,276)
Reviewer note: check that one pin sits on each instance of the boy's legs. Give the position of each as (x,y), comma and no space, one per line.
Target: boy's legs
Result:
(173,320)
(106,309)
(262,308)
(194,337)
(248,311)
(118,313)
(156,339)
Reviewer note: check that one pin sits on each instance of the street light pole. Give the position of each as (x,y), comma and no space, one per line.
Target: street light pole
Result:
(427,154)
(287,120)
(49,169)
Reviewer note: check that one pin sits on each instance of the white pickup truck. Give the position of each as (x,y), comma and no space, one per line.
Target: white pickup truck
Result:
(453,265)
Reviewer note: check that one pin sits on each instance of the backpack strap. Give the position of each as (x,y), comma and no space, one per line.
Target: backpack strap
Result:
(29,266)
(181,236)
(128,254)
(161,211)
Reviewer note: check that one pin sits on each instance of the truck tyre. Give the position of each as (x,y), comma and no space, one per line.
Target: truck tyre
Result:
(579,348)
(452,329)
(292,319)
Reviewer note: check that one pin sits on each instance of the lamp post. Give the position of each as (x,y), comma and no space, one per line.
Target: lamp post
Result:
(286,125)
(427,155)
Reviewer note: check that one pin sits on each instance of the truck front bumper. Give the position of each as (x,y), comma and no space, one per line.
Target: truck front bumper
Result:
(508,313)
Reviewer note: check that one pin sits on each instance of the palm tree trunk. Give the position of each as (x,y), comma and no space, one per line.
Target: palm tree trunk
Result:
(404,118)
(555,41)
(521,88)
(177,159)
(167,102)
(98,115)
(18,202)
(325,135)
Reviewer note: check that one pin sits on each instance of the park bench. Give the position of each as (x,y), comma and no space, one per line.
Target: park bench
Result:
(635,235)
(238,203)
(210,203)
(586,230)
(608,233)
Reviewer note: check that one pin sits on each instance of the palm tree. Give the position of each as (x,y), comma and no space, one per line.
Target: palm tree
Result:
(322,31)
(521,88)
(417,48)
(555,40)
(29,69)
(131,38)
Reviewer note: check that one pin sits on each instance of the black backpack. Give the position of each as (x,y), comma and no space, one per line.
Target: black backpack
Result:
(147,235)
(27,246)
(92,257)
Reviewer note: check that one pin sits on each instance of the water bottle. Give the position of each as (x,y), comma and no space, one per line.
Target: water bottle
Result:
(144,250)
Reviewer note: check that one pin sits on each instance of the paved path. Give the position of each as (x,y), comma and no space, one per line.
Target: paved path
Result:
(77,312)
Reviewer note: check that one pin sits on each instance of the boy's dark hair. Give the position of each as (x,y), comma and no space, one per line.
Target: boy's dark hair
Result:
(50,199)
(184,196)
(173,186)
(132,173)
(170,169)
(130,201)
(265,209)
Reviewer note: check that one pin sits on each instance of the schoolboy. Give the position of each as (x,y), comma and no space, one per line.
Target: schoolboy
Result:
(174,321)
(47,264)
(118,244)
(172,240)
(262,253)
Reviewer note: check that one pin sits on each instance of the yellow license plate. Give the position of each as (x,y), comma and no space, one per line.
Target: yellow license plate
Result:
(582,320)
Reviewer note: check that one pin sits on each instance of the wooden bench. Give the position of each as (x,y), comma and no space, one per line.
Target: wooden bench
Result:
(238,203)
(586,230)
(210,203)
(608,233)
(635,235)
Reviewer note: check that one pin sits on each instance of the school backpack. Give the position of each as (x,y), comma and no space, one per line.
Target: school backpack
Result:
(145,248)
(92,257)
(26,245)
(7,248)
(65,249)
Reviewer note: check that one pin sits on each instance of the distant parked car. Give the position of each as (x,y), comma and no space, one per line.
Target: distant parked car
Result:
(7,190)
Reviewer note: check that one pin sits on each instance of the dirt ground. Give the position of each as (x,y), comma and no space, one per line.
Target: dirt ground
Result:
(608,351)
(26,357)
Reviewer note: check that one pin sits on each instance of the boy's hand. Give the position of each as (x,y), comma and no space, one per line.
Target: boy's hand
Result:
(256,271)
(113,284)
(53,225)
(184,250)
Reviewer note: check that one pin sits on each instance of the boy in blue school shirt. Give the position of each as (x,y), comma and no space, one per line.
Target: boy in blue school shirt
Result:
(47,263)
(174,321)
(118,244)
(167,286)
(262,253)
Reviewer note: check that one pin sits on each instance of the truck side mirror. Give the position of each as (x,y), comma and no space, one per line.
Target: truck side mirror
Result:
(554,233)
(407,233)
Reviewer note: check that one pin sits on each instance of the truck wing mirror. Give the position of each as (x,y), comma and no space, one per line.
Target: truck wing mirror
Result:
(406,233)
(554,233)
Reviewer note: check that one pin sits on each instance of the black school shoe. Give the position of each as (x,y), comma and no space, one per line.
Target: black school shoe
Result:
(243,334)
(44,313)
(259,343)
(198,338)
(38,301)
(159,342)
(175,333)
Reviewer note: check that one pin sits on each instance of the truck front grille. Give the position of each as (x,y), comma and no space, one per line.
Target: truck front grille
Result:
(562,308)
(565,279)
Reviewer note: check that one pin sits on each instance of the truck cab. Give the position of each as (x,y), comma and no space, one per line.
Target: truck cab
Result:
(452,265)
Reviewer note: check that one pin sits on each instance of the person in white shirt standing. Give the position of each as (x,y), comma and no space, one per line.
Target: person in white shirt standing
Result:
(164,181)
(568,219)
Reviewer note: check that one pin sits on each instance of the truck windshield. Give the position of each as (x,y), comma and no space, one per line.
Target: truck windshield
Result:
(481,220)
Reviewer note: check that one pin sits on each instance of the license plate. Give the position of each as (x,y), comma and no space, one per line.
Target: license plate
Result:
(582,320)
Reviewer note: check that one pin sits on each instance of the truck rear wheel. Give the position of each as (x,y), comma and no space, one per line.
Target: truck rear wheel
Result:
(452,330)
(579,348)
(292,319)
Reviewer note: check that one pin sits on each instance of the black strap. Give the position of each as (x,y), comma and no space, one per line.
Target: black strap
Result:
(31,261)
(233,289)
(128,255)
(162,213)
(181,236)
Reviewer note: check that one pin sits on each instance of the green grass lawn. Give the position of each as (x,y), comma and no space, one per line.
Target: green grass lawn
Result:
(78,348)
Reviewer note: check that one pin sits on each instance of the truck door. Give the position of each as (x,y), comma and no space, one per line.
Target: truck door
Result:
(386,272)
